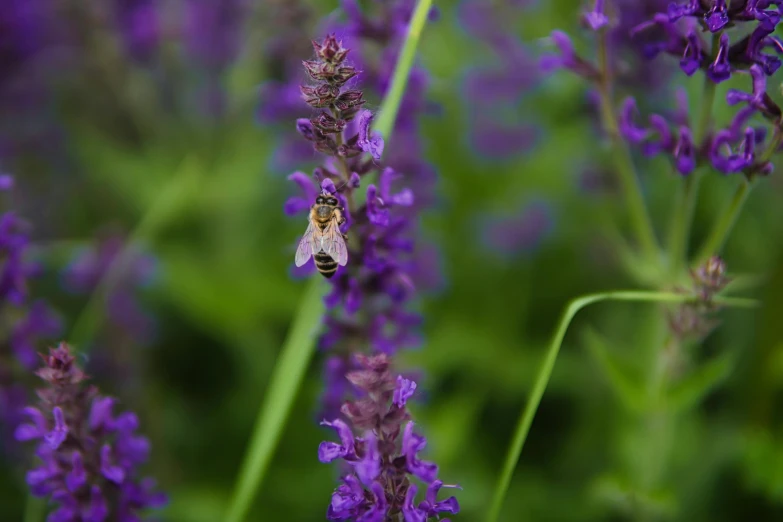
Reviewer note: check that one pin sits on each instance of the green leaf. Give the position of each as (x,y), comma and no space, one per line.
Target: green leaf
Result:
(694,387)
(620,376)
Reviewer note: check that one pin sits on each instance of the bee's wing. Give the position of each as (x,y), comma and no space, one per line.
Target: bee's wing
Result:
(306,246)
(334,244)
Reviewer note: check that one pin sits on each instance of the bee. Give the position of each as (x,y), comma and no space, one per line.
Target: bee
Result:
(323,239)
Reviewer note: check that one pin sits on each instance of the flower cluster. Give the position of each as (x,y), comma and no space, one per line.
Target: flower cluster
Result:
(89,457)
(381,463)
(369,295)
(677,32)
(27,322)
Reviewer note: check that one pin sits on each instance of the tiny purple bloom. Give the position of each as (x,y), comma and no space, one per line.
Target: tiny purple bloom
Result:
(59,432)
(328,451)
(411,445)
(369,141)
(403,391)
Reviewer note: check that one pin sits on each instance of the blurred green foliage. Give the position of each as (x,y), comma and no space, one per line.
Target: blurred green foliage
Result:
(209,202)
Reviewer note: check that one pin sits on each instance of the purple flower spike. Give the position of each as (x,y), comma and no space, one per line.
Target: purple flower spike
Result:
(367,303)
(85,449)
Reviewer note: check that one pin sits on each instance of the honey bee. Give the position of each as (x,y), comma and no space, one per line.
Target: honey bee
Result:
(323,239)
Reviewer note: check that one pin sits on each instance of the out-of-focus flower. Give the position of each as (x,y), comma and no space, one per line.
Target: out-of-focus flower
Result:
(89,458)
(139,25)
(25,323)
(729,150)
(382,462)
(520,232)
(494,92)
(129,273)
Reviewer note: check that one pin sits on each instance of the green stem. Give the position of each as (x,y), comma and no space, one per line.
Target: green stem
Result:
(390,106)
(288,374)
(300,343)
(682,216)
(623,164)
(720,232)
(168,204)
(545,371)
(34,509)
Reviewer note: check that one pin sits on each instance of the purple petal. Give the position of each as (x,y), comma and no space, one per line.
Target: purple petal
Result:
(403,391)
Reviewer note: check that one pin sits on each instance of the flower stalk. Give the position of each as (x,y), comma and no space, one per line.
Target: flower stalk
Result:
(623,163)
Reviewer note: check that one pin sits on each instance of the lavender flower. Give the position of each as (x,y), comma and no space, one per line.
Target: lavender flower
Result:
(371,291)
(380,272)
(380,464)
(26,323)
(493,92)
(730,150)
(88,457)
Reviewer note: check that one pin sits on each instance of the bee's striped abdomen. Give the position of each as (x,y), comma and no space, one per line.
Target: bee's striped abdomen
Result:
(325,264)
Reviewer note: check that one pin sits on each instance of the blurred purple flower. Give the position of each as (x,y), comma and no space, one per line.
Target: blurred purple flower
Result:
(494,92)
(384,460)
(138,22)
(89,458)
(132,271)
(521,232)
(26,324)
(729,150)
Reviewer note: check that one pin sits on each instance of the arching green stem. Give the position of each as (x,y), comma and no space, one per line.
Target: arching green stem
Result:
(545,371)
